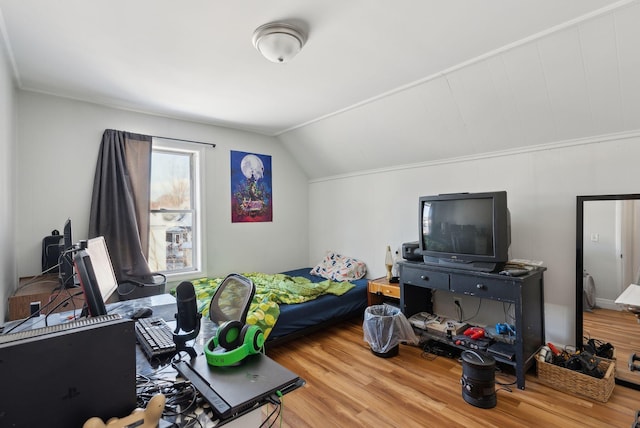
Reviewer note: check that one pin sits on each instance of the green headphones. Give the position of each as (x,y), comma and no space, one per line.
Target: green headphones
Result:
(232,343)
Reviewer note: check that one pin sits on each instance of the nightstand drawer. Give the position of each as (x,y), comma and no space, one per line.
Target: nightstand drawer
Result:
(494,289)
(391,290)
(381,291)
(424,278)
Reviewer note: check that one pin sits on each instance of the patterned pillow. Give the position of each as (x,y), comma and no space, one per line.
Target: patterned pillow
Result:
(340,268)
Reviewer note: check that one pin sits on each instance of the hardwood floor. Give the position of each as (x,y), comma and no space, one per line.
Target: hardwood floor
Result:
(621,329)
(347,386)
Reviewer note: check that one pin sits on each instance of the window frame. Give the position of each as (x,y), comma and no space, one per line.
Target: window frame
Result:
(197,193)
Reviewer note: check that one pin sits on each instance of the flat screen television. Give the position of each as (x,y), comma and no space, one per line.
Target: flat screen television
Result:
(465,230)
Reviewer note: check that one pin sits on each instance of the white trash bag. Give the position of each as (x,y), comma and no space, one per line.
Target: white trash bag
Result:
(385,327)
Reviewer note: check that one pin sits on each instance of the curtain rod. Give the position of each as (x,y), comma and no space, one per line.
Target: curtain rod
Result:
(186,141)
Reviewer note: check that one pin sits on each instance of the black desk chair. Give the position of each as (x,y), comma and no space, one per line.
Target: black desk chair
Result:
(232,299)
(135,288)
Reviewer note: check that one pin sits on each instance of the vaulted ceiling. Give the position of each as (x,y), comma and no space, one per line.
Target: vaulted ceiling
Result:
(378,83)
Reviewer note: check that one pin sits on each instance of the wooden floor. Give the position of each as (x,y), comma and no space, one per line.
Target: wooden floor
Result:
(347,386)
(621,329)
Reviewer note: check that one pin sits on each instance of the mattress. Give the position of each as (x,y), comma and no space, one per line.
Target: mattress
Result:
(300,316)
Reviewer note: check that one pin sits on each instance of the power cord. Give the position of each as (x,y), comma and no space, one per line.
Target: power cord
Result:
(35,279)
(462,319)
(599,347)
(63,303)
(182,399)
(508,316)
(37,313)
(66,260)
(277,400)
(459,310)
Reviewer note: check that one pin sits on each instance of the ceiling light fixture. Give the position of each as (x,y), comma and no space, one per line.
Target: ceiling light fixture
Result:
(278,42)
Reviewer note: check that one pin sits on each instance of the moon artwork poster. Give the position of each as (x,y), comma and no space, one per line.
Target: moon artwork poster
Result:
(251,192)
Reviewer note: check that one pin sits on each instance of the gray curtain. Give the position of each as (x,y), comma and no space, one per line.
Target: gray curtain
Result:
(120,202)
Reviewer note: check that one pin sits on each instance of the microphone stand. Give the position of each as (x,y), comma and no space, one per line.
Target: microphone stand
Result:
(181,339)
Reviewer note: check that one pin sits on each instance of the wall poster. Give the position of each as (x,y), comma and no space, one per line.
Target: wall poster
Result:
(251,192)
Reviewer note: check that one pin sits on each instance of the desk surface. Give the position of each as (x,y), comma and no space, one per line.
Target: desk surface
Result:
(163,306)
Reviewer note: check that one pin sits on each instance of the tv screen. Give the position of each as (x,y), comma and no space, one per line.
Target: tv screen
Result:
(465,228)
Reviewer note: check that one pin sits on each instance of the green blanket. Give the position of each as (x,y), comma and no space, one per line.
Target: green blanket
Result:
(271,290)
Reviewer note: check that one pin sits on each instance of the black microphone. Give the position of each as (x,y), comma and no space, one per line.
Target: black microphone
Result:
(187,317)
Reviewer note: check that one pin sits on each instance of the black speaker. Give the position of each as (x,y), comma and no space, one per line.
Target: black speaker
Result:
(478,379)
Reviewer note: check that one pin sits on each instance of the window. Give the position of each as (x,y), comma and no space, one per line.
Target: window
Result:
(175,238)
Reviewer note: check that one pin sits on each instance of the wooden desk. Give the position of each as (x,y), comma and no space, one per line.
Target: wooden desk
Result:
(43,290)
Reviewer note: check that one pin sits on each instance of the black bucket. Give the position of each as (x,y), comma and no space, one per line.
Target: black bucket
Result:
(390,353)
(478,379)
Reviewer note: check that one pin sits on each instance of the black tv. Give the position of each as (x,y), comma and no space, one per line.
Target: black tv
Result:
(66,258)
(465,230)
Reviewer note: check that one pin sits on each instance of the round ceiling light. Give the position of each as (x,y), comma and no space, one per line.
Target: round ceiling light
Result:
(278,42)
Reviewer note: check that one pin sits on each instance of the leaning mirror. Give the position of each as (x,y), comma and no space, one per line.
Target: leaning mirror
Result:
(607,263)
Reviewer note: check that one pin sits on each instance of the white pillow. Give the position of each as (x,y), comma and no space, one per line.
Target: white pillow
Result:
(340,268)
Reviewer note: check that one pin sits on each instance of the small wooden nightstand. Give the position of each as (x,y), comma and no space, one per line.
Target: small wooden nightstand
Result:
(381,289)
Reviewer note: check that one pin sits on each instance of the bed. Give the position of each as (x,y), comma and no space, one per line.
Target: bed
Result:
(296,320)
(285,321)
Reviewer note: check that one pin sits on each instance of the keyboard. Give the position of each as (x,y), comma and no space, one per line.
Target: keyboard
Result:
(155,337)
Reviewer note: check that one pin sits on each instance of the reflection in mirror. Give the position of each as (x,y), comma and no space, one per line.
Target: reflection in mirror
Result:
(607,263)
(231,299)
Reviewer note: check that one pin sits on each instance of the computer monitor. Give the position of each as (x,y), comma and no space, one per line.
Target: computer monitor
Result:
(101,261)
(66,258)
(97,278)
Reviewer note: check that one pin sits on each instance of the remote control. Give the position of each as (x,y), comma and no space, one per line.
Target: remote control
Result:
(514,272)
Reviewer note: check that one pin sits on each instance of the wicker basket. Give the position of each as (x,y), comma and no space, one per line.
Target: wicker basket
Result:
(577,383)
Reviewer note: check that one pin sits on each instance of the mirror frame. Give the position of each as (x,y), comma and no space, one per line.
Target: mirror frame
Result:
(580,263)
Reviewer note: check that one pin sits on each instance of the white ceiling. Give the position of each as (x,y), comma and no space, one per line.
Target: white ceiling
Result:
(448,78)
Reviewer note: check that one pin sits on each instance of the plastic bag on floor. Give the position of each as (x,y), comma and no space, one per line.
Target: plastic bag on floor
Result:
(385,327)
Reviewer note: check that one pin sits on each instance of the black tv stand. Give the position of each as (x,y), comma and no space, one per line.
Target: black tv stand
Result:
(418,280)
(466,265)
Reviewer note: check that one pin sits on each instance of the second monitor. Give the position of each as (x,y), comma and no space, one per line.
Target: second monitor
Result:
(97,277)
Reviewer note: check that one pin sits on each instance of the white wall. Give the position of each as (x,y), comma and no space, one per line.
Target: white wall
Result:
(610,247)
(57,152)
(7,180)
(600,255)
(573,82)
(361,213)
